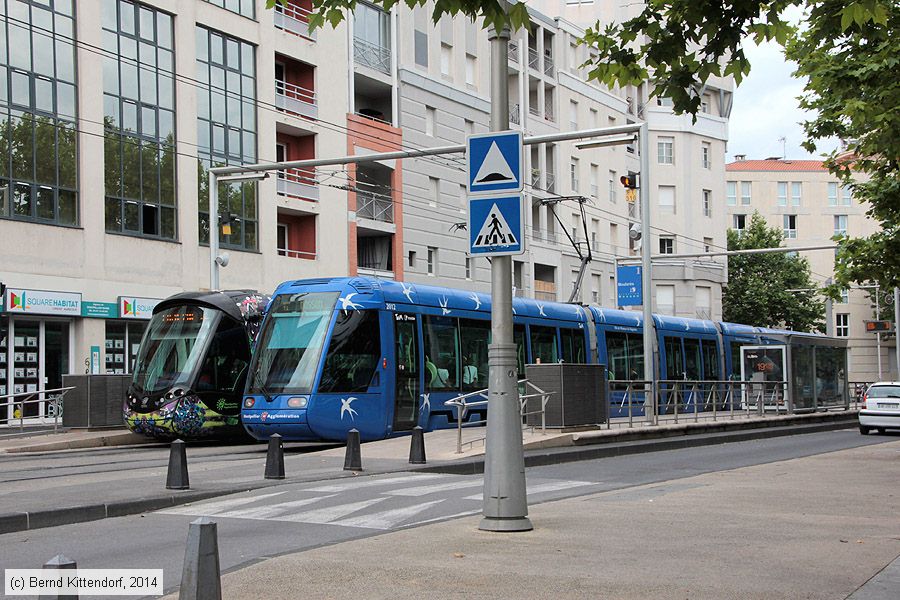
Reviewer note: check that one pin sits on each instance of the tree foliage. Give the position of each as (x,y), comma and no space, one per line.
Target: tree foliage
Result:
(763,289)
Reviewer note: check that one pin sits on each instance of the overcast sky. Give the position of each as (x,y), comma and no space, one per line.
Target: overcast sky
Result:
(765,109)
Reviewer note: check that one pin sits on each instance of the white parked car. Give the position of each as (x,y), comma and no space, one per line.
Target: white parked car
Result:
(880,407)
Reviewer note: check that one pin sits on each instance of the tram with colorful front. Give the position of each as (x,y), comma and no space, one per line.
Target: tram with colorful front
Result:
(382,357)
(191,367)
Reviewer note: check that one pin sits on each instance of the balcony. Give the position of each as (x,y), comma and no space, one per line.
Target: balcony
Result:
(514,116)
(296,254)
(551,182)
(549,114)
(294,19)
(374,207)
(513,52)
(534,59)
(548,65)
(298,183)
(544,236)
(534,110)
(372,55)
(544,290)
(295,99)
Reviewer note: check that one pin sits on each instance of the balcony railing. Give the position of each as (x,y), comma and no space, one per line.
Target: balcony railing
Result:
(371,116)
(549,114)
(534,109)
(535,178)
(298,183)
(514,52)
(296,254)
(551,182)
(295,99)
(514,116)
(375,208)
(294,19)
(534,59)
(372,55)
(548,64)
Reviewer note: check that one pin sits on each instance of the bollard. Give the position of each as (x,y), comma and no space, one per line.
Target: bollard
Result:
(275,458)
(200,578)
(177,476)
(353,457)
(417,447)
(59,562)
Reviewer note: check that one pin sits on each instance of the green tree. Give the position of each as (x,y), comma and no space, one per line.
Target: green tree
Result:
(848,49)
(764,289)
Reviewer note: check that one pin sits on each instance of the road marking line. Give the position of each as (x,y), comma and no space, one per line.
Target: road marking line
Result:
(355,483)
(465,513)
(546,487)
(329,514)
(432,489)
(273,511)
(213,508)
(386,519)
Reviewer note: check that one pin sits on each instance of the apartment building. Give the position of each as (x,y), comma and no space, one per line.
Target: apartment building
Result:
(443,94)
(112,112)
(810,206)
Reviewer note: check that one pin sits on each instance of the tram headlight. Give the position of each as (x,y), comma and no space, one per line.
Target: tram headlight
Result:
(249,402)
(297,402)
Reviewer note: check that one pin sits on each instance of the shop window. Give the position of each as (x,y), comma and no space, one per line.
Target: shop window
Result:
(123,339)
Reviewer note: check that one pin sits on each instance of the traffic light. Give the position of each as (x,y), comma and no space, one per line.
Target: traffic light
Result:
(629,181)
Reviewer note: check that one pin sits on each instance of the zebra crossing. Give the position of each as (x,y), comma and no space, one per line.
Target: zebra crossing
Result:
(379,503)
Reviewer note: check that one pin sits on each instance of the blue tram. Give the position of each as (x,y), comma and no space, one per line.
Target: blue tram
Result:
(382,357)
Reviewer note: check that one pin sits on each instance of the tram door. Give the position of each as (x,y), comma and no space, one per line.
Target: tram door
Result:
(764,367)
(406,372)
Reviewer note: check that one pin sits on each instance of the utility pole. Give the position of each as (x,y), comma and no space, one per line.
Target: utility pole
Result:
(896,332)
(647,277)
(505,505)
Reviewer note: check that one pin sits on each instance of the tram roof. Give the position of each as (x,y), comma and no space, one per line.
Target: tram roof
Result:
(684,325)
(614,316)
(738,329)
(374,293)
(228,301)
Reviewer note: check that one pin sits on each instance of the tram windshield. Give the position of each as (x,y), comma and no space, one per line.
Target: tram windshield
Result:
(172,347)
(291,342)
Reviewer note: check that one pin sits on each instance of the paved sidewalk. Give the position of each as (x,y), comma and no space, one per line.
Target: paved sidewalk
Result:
(815,527)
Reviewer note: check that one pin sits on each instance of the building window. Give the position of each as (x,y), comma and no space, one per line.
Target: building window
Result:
(613,187)
(595,185)
(226,129)
(707,244)
(846,195)
(739,222)
(432,260)
(782,193)
(446,59)
(665,299)
(663,101)
(666,245)
(241,7)
(38,157)
(471,69)
(573,115)
(731,193)
(420,36)
(705,103)
(703,301)
(845,296)
(705,157)
(832,194)
(790,227)
(746,188)
(707,203)
(665,149)
(842,325)
(411,259)
(139,119)
(840,225)
(796,188)
(469,268)
(667,198)
(573,174)
(430,121)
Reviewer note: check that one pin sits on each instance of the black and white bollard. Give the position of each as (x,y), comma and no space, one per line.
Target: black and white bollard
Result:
(177,476)
(417,447)
(200,578)
(59,562)
(275,458)
(353,457)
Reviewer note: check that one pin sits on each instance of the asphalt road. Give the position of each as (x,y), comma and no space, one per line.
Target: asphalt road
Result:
(295,517)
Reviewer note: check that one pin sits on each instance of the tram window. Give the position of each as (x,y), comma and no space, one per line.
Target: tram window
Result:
(475,337)
(353,353)
(224,368)
(519,338)
(710,360)
(441,353)
(572,345)
(544,348)
(617,355)
(692,359)
(674,362)
(735,360)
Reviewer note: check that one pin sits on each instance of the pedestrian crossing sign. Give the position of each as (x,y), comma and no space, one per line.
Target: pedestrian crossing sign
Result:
(496,226)
(494,162)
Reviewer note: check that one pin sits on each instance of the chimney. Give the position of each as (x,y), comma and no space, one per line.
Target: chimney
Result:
(740,157)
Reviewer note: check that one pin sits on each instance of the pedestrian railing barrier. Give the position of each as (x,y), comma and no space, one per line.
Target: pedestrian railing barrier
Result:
(19,402)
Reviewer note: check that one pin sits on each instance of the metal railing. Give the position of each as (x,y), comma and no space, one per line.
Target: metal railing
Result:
(296,253)
(53,398)
(534,59)
(294,19)
(513,51)
(551,182)
(372,55)
(298,183)
(479,398)
(549,114)
(674,400)
(375,208)
(296,99)
(514,114)
(372,117)
(534,109)
(548,64)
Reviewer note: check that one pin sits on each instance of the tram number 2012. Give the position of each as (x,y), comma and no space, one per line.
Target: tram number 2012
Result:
(390,306)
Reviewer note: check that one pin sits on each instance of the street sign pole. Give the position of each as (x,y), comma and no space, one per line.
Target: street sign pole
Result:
(896,331)
(647,277)
(505,506)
